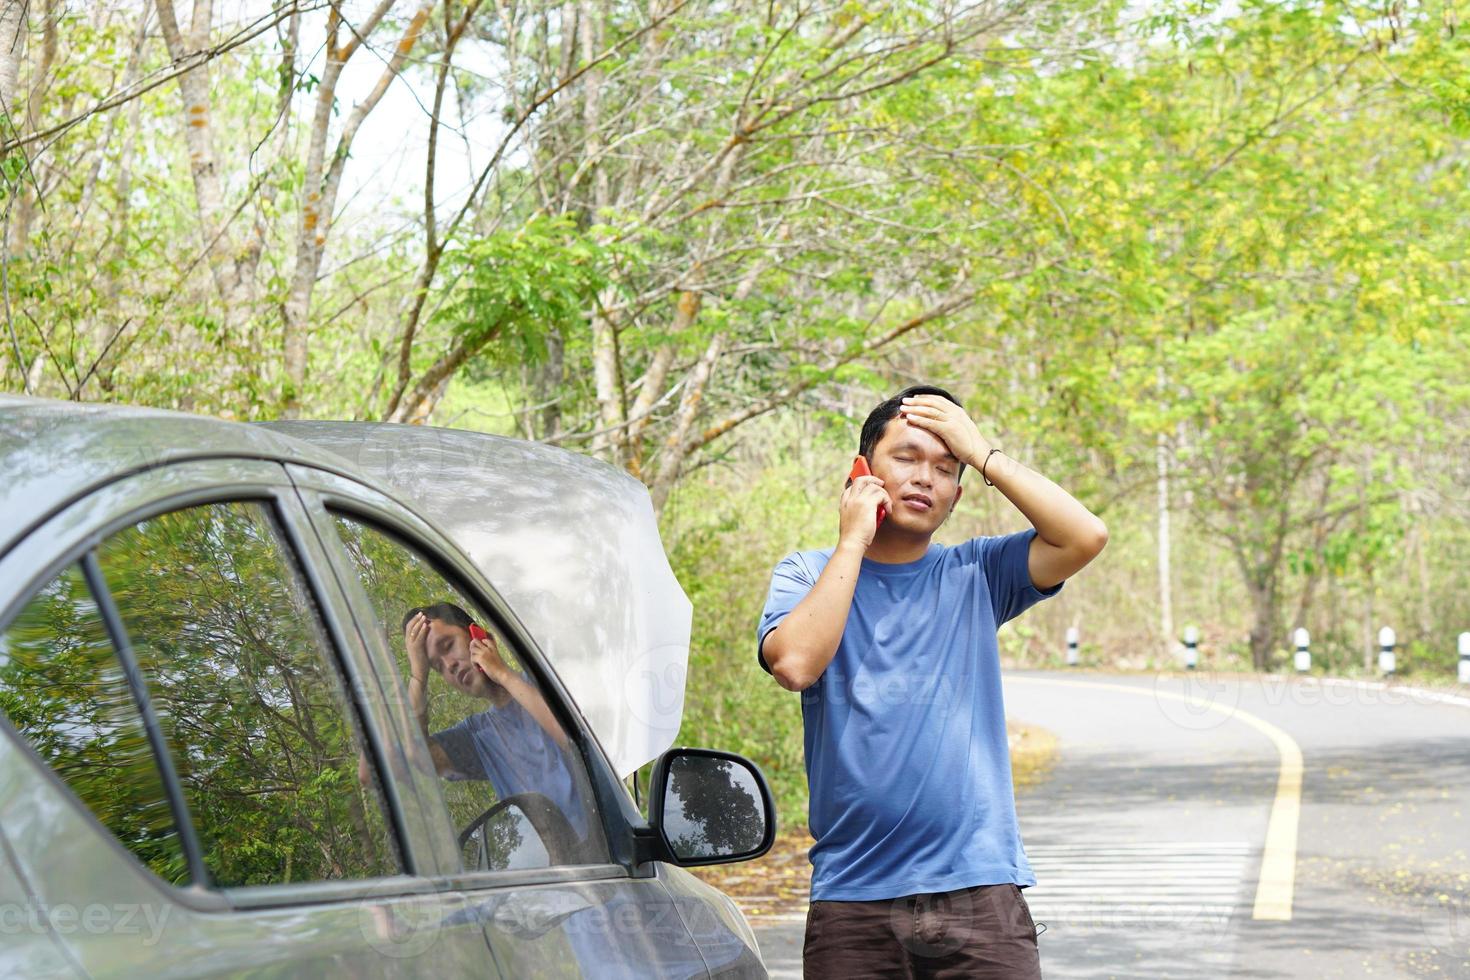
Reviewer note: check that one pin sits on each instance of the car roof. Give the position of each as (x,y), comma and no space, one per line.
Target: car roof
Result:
(571,543)
(55,452)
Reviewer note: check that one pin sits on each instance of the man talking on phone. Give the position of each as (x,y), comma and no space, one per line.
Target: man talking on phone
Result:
(917,865)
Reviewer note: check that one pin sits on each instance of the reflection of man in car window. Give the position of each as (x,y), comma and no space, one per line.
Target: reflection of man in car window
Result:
(516,743)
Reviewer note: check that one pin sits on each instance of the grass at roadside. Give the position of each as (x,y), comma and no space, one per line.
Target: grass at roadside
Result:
(1033,753)
(779,881)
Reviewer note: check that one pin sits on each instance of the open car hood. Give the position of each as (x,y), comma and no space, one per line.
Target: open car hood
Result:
(572,544)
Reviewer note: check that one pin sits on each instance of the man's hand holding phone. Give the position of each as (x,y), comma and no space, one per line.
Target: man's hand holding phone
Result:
(864,505)
(485,655)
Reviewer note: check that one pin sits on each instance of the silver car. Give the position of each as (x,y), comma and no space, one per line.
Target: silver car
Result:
(346,699)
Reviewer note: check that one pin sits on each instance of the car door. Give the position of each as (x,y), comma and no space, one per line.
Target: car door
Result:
(544,857)
(31,947)
(197,757)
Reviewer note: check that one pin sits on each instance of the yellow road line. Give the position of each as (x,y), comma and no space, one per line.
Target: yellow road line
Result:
(1277,881)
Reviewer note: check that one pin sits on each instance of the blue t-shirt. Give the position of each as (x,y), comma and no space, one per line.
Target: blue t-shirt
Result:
(510,748)
(906,752)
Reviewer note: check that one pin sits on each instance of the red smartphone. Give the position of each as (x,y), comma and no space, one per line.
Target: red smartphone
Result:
(860,468)
(476,633)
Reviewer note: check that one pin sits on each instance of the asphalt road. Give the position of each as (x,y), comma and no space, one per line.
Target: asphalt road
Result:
(1170,840)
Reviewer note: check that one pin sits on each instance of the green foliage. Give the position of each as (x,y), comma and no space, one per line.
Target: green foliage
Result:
(723,544)
(63,688)
(510,288)
(257,727)
(239,675)
(1236,230)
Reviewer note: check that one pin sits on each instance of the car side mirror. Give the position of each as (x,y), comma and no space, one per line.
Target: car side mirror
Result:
(710,807)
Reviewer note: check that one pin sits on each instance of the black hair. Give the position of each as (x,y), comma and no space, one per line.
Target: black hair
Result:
(886,412)
(446,612)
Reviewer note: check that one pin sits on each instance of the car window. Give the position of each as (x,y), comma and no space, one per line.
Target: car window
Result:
(514,784)
(63,688)
(249,696)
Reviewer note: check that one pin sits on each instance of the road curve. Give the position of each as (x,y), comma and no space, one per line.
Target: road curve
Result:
(1150,838)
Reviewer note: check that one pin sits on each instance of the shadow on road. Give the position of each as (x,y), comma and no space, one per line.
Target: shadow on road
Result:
(1386,772)
(1117,781)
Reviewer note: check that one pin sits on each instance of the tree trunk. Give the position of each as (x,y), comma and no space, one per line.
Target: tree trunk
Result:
(1166,597)
(324,179)
(33,375)
(123,184)
(590,26)
(199,140)
(1265,607)
(678,446)
(1426,582)
(12,48)
(29,121)
(607,380)
(612,406)
(1309,592)
(425,407)
(550,377)
(1369,648)
(413,306)
(430,387)
(686,309)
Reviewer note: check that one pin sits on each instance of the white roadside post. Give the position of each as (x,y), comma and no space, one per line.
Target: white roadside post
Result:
(1385,651)
(1191,647)
(1071,646)
(1303,650)
(1465,658)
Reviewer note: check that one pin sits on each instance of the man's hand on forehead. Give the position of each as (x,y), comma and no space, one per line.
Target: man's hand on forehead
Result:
(416,638)
(949,423)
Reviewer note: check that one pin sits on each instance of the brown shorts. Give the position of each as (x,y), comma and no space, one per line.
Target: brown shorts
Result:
(983,931)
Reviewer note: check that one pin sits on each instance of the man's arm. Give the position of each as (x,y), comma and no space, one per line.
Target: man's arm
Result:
(416,639)
(801,647)
(1068,535)
(486,655)
(414,636)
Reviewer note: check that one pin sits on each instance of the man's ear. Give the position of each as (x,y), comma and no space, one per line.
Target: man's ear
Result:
(958,493)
